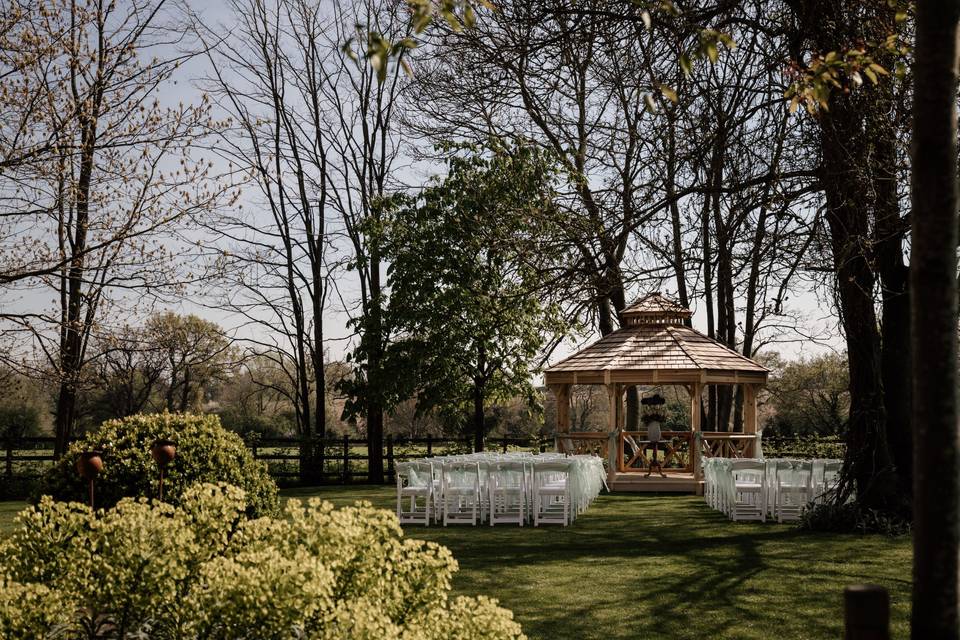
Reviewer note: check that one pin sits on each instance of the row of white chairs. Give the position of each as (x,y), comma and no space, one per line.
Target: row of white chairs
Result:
(494,488)
(777,488)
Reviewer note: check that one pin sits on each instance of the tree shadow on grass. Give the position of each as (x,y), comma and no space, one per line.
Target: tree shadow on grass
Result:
(642,566)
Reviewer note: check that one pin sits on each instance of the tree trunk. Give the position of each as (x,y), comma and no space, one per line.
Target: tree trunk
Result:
(374,337)
(679,268)
(478,414)
(848,144)
(933,273)
(74,323)
(185,391)
(867,464)
(891,229)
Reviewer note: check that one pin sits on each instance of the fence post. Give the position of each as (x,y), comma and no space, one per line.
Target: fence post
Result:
(321,469)
(346,459)
(504,439)
(866,612)
(543,445)
(8,485)
(9,457)
(389,458)
(429,445)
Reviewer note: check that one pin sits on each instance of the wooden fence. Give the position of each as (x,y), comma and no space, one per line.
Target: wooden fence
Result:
(344,460)
(334,460)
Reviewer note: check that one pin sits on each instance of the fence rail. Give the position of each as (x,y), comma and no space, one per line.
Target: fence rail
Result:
(344,460)
(332,460)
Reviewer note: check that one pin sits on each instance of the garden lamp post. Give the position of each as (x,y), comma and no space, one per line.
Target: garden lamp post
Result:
(89,466)
(163,452)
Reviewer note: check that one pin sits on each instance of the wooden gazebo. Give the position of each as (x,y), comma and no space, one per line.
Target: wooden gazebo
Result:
(655,347)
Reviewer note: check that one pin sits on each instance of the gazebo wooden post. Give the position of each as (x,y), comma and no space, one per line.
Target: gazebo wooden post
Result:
(750,416)
(696,391)
(615,410)
(562,393)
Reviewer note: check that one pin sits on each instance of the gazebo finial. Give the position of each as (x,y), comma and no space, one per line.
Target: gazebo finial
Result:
(654,308)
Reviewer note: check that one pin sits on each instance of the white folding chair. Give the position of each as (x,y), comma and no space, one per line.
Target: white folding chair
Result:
(507,489)
(552,493)
(826,480)
(749,490)
(460,486)
(414,482)
(794,488)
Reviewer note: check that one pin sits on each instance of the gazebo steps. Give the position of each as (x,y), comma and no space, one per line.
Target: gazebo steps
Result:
(674,482)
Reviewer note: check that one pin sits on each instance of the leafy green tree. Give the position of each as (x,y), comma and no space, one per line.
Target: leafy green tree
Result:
(470,299)
(809,395)
(197,355)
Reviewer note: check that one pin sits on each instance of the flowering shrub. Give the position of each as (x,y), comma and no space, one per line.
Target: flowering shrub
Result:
(204,570)
(206,452)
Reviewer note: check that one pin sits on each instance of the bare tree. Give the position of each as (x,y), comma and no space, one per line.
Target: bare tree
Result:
(315,129)
(671,180)
(120,174)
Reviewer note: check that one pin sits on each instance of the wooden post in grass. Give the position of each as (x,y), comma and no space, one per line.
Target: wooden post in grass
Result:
(429,445)
(346,459)
(866,614)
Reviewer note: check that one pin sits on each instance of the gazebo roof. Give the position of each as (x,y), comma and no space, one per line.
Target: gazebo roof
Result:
(654,345)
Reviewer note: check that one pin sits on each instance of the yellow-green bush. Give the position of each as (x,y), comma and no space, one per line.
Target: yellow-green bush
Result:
(204,570)
(206,452)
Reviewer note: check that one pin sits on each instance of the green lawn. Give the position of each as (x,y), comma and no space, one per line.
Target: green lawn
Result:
(660,567)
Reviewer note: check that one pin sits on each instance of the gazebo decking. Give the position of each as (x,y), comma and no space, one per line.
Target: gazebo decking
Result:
(654,346)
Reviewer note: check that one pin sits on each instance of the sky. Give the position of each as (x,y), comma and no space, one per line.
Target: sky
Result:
(817,315)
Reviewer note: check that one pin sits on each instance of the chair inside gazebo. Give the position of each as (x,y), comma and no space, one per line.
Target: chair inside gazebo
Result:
(654,348)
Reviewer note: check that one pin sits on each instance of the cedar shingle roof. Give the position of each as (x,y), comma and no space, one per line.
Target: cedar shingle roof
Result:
(654,338)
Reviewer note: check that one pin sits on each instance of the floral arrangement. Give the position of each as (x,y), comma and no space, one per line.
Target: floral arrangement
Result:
(652,409)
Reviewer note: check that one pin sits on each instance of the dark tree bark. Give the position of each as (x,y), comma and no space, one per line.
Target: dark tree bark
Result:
(936,536)
(478,415)
(851,169)
(890,237)
(868,461)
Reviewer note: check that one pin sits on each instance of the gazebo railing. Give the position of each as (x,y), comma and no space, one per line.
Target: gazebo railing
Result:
(726,444)
(583,442)
(635,454)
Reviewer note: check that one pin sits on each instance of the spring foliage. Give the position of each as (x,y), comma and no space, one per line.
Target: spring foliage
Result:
(204,570)
(206,452)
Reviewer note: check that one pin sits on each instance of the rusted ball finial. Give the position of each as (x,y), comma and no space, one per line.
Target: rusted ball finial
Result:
(89,466)
(163,452)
